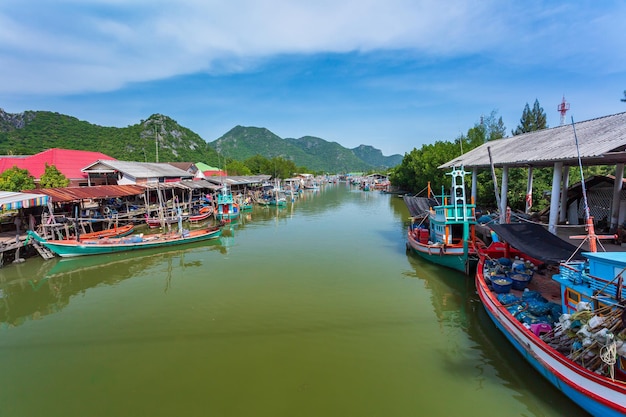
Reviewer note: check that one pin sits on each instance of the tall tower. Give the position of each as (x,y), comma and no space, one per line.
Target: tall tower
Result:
(563,108)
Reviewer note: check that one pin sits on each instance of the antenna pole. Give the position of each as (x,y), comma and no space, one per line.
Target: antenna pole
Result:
(563,108)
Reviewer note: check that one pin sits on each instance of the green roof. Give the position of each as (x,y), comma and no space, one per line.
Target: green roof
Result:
(204,167)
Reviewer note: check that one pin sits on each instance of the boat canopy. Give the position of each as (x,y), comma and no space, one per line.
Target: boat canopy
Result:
(536,241)
(419,206)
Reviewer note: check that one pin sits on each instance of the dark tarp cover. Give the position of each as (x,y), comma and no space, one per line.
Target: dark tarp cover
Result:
(534,240)
(419,206)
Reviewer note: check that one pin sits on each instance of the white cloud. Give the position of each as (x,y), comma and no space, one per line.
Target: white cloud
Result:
(77,46)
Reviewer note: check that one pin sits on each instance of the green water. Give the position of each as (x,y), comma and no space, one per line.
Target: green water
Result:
(310,310)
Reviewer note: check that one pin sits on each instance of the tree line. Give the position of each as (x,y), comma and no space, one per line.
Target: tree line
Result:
(419,167)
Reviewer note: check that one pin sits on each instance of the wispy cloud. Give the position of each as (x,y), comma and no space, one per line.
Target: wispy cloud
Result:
(357,54)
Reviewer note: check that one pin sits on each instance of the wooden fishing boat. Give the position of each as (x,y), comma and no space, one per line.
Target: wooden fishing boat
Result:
(227,208)
(156,222)
(447,236)
(114,231)
(201,214)
(567,319)
(82,247)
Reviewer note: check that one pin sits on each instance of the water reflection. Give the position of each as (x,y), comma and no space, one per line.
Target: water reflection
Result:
(292,307)
(28,293)
(488,359)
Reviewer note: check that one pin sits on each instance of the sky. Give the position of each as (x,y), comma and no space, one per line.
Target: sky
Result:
(392,74)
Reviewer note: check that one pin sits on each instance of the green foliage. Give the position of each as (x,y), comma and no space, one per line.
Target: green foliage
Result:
(277,167)
(53,178)
(531,120)
(234,167)
(419,167)
(16,179)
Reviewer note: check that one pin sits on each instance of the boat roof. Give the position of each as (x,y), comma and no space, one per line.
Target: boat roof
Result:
(418,206)
(614,257)
(537,242)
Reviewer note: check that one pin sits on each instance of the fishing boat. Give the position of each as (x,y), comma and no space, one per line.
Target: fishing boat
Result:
(204,213)
(278,198)
(114,231)
(155,222)
(564,311)
(446,236)
(82,247)
(227,208)
(245,204)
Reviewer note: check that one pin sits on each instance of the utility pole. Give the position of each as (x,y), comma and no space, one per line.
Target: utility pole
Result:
(156,139)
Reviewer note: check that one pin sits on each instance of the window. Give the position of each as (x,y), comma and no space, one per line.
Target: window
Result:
(572,296)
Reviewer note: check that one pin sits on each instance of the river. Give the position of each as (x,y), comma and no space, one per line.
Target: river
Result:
(313,310)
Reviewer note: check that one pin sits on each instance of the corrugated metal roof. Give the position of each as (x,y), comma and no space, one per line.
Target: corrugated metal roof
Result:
(239,180)
(200,184)
(62,195)
(69,162)
(185,166)
(601,141)
(138,169)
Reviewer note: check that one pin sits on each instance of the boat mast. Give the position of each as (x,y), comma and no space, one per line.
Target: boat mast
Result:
(591,233)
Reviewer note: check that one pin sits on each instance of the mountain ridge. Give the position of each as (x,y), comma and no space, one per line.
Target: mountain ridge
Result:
(161,137)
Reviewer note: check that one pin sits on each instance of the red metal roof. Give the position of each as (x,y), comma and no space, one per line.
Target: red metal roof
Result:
(62,195)
(68,162)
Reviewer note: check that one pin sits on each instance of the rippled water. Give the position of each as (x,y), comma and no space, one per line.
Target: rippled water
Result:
(310,310)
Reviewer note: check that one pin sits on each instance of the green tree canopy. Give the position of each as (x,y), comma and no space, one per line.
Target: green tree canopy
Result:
(53,178)
(277,167)
(531,120)
(234,167)
(16,179)
(420,167)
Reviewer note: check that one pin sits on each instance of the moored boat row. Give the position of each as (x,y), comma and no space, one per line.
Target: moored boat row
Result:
(567,319)
(564,311)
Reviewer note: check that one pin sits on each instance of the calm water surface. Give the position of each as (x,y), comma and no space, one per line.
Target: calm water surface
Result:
(310,310)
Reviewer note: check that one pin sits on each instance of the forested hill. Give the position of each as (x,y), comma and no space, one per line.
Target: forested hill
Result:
(315,153)
(34,131)
(31,132)
(375,157)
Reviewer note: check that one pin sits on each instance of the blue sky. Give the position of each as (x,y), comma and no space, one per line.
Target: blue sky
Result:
(393,74)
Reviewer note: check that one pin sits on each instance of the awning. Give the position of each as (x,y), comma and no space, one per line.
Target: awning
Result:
(13,201)
(534,240)
(419,206)
(67,194)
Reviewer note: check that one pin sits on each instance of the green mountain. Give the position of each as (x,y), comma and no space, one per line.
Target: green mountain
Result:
(34,131)
(331,156)
(241,143)
(374,157)
(314,153)
(160,137)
